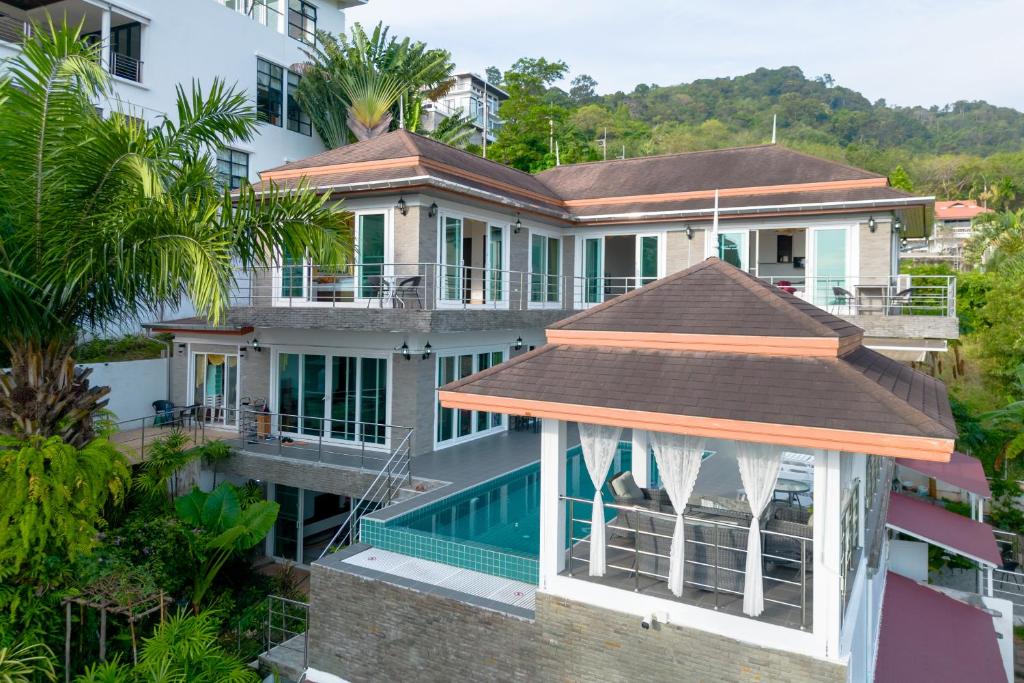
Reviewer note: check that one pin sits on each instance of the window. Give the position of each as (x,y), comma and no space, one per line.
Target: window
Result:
(232,168)
(454,424)
(544,268)
(302,21)
(269,92)
(336,397)
(298,120)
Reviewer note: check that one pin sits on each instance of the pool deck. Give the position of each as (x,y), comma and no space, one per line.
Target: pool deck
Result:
(469,464)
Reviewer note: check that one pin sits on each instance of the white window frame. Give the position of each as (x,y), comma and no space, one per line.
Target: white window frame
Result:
(551,235)
(475,351)
(190,387)
(329,353)
(506,253)
(580,265)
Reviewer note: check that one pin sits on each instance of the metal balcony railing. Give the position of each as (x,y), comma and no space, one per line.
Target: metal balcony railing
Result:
(933,295)
(124,66)
(13,30)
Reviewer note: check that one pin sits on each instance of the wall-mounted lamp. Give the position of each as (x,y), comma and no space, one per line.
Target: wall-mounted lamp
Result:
(689,232)
(903,242)
(402,207)
(897,224)
(181,349)
(518,343)
(404,350)
(517,226)
(242,352)
(427,348)
(872,226)
(433,210)
(256,345)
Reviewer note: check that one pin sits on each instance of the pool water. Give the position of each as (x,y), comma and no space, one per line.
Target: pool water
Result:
(505,514)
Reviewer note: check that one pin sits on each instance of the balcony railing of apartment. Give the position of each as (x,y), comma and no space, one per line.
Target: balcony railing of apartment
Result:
(638,552)
(263,14)
(13,30)
(933,295)
(136,437)
(368,446)
(437,286)
(126,67)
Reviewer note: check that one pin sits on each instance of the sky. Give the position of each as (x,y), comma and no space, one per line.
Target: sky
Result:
(906,51)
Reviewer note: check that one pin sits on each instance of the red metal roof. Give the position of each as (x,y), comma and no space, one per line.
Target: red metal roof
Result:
(957,209)
(961,471)
(928,636)
(939,526)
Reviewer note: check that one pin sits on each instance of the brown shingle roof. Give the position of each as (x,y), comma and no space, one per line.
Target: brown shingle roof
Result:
(828,393)
(758,166)
(712,298)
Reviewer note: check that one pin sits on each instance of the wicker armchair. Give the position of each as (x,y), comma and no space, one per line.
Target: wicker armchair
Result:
(793,521)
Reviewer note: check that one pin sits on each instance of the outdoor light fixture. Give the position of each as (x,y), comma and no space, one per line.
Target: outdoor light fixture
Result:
(903,242)
(689,232)
(181,349)
(426,350)
(256,345)
(517,226)
(518,343)
(897,224)
(404,349)
(433,210)
(401,206)
(242,352)
(872,226)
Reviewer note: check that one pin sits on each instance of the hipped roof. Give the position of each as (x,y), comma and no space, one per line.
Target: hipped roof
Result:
(713,352)
(940,527)
(961,471)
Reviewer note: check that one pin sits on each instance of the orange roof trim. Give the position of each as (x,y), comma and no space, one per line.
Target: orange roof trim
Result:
(827,347)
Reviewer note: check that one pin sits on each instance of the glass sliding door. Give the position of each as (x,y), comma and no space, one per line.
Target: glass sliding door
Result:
(215,387)
(829,267)
(293,276)
(495,264)
(646,259)
(593,270)
(452,423)
(349,393)
(732,248)
(545,261)
(286,528)
(314,388)
(231,391)
(370,255)
(451,258)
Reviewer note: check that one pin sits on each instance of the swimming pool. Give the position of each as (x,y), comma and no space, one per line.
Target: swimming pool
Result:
(494,526)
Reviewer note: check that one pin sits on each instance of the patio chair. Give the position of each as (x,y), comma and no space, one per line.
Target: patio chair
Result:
(843,297)
(377,287)
(164,413)
(716,557)
(793,521)
(408,285)
(626,492)
(900,299)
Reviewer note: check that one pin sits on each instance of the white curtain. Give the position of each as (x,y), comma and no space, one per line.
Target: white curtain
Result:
(679,459)
(599,445)
(759,468)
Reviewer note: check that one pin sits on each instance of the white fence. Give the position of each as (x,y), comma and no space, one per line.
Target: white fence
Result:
(134,385)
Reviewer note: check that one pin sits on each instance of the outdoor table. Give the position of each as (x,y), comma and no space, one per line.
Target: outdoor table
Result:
(792,489)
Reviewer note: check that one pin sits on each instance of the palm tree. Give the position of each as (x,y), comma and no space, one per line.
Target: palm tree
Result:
(998,240)
(372,67)
(24,662)
(104,220)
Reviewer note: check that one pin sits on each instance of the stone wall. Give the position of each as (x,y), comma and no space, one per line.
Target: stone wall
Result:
(875,251)
(412,403)
(682,252)
(369,630)
(295,472)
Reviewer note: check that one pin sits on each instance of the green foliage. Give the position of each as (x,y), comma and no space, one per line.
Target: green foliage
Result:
(214,453)
(130,347)
(26,662)
(222,528)
(183,648)
(900,179)
(167,456)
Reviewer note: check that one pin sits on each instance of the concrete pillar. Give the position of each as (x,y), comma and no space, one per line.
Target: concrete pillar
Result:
(552,509)
(828,501)
(641,460)
(105,38)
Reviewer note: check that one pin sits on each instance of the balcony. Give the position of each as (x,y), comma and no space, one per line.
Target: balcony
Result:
(13,30)
(126,67)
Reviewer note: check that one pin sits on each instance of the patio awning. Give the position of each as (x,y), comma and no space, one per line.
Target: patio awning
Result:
(196,325)
(961,471)
(938,526)
(928,636)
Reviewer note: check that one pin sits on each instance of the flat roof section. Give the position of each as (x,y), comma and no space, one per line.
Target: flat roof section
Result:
(927,636)
(939,526)
(961,471)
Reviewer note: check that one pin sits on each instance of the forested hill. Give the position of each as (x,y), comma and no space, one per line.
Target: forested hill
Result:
(964,149)
(818,110)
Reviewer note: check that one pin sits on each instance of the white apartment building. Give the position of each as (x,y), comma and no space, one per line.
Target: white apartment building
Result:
(152,46)
(470,96)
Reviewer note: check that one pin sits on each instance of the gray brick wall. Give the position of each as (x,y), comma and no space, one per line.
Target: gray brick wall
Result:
(303,474)
(366,630)
(682,252)
(413,402)
(875,249)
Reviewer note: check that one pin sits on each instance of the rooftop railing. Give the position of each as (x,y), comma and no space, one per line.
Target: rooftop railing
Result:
(864,295)
(125,66)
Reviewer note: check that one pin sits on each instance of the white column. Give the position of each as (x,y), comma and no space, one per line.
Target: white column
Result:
(990,587)
(105,38)
(641,459)
(552,509)
(828,501)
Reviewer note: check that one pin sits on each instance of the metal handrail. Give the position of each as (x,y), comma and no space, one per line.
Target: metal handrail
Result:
(286,623)
(370,442)
(637,552)
(125,66)
(874,295)
(14,30)
(182,419)
(384,487)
